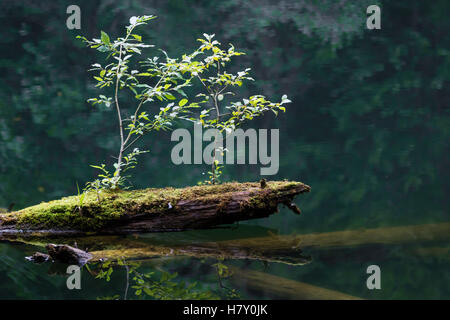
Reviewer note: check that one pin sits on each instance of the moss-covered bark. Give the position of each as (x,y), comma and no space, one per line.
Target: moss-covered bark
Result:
(279,287)
(114,248)
(148,210)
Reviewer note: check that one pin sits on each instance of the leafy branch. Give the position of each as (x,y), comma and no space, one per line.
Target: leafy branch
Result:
(160,81)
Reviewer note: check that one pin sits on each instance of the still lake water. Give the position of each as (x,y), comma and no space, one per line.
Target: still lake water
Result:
(254,262)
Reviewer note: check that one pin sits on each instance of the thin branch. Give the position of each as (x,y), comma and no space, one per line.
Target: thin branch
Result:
(223,89)
(134,119)
(128,283)
(116,97)
(224,114)
(132,142)
(136,112)
(209,91)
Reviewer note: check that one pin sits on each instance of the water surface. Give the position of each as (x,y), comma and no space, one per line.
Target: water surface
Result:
(242,262)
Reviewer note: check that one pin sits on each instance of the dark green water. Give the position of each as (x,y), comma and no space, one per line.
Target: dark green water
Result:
(410,269)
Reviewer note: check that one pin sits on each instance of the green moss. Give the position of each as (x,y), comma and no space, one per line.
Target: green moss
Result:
(91,214)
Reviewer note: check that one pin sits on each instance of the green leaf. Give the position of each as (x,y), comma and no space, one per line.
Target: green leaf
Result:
(183,102)
(169,96)
(103,49)
(105,38)
(132,89)
(181,92)
(148,291)
(135,50)
(137,37)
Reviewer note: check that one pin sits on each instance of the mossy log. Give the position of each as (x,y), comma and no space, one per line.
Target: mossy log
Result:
(151,210)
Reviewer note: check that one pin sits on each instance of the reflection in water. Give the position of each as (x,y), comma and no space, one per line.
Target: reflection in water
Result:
(219,265)
(154,285)
(269,250)
(279,287)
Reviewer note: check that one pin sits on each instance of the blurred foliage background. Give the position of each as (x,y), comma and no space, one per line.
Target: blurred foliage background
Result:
(368,128)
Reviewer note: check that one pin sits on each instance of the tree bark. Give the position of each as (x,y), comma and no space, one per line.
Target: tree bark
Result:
(155,210)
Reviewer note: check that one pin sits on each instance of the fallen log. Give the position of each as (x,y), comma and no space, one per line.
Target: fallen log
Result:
(151,210)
